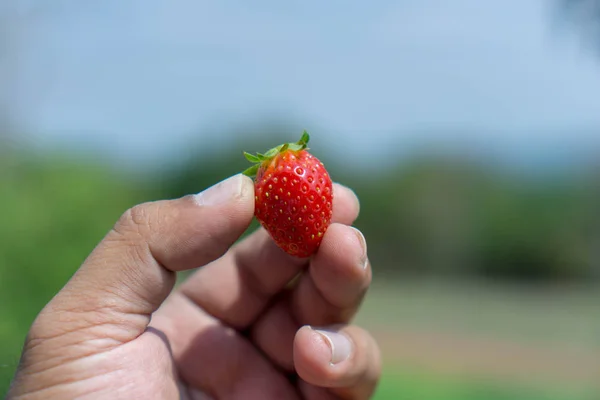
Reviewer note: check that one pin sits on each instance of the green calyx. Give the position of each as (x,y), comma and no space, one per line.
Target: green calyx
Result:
(258,159)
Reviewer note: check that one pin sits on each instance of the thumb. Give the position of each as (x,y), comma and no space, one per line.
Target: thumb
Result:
(130,273)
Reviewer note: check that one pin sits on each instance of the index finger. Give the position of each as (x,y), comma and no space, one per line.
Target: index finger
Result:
(237,287)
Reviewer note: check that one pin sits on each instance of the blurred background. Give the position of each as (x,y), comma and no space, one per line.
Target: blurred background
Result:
(470,131)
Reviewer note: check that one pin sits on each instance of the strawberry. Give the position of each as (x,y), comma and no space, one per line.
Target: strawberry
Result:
(294,196)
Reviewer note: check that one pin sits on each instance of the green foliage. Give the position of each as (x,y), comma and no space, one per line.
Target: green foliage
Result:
(54,212)
(260,158)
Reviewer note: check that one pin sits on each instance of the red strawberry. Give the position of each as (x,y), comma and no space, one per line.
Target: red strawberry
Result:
(294,196)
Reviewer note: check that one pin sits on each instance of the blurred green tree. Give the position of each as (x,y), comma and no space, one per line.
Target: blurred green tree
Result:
(584,15)
(433,215)
(55,209)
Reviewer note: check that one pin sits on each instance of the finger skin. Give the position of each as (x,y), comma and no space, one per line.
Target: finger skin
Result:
(217,359)
(338,279)
(238,287)
(356,377)
(329,293)
(131,271)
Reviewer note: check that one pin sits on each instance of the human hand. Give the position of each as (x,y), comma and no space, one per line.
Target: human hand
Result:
(238,328)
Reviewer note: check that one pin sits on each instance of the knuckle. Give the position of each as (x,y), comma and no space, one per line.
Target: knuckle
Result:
(133,233)
(134,221)
(138,214)
(138,231)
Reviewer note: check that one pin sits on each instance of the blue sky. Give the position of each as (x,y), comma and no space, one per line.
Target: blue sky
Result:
(138,79)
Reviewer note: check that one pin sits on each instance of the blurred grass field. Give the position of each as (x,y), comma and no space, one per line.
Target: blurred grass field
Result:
(446,340)
(443,341)
(403,385)
(457,340)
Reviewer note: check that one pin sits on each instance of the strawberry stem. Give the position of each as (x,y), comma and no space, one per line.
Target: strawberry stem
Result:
(258,159)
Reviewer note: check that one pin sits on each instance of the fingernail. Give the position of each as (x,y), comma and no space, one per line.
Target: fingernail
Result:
(340,345)
(364,260)
(222,192)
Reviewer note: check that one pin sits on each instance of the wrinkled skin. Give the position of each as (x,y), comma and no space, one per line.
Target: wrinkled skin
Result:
(236,329)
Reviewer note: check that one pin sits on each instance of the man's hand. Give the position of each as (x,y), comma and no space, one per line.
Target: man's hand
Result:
(252,323)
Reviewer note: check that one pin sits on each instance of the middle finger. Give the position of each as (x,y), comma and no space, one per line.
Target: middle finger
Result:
(330,293)
(337,279)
